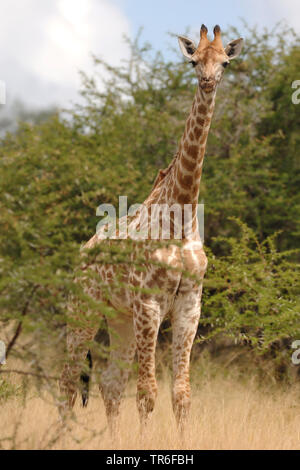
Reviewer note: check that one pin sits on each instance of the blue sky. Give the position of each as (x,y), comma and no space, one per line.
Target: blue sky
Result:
(160,16)
(43,44)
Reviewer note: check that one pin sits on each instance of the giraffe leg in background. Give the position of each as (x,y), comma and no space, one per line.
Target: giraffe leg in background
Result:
(115,377)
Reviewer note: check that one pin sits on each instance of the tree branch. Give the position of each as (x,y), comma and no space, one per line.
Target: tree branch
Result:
(19,327)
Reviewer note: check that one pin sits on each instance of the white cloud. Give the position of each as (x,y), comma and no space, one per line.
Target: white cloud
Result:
(43,45)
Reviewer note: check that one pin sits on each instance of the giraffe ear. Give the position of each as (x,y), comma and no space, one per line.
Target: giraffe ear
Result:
(234,48)
(187,46)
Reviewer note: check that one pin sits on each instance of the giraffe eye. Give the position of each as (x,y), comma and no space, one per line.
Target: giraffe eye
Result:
(225,64)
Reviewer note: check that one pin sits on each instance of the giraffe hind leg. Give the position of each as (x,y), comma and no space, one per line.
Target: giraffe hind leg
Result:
(77,339)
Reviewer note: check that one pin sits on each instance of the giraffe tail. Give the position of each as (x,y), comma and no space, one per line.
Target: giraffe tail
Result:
(85,381)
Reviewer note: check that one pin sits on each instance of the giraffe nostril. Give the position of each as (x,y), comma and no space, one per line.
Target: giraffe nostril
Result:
(207,83)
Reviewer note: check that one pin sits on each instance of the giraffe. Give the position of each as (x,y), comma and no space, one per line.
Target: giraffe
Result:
(141,313)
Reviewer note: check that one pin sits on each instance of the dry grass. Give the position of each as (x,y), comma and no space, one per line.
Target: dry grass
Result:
(226,414)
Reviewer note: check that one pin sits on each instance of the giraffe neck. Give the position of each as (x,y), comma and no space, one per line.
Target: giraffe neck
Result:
(179,184)
(187,169)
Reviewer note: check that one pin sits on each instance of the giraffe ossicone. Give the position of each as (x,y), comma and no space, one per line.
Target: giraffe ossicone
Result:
(179,296)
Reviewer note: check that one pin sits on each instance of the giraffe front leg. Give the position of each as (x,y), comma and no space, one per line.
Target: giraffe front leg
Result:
(185,319)
(146,324)
(77,339)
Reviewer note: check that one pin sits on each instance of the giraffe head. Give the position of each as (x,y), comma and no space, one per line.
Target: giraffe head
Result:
(210,58)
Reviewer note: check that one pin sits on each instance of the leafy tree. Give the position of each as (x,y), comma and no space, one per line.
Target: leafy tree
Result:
(55,174)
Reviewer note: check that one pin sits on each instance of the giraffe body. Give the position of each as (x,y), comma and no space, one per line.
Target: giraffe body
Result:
(179,296)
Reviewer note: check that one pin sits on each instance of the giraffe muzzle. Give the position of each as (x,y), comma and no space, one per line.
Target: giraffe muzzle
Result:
(207,85)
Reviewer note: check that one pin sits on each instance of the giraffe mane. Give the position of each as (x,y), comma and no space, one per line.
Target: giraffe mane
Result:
(163,173)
